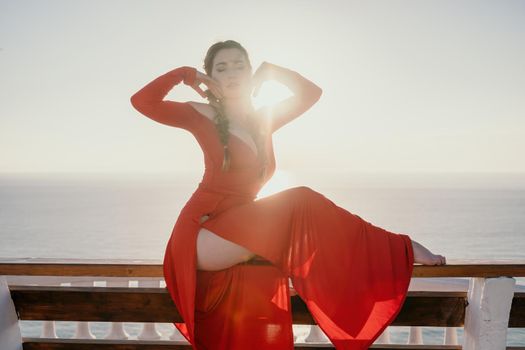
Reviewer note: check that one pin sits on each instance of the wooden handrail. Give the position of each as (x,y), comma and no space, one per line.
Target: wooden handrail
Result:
(153,267)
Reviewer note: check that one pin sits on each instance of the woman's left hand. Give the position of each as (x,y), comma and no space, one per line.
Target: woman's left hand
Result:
(263,73)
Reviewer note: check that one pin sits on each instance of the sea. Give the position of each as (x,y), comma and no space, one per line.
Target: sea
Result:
(130,216)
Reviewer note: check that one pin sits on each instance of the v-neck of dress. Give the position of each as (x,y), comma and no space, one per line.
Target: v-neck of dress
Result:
(255,153)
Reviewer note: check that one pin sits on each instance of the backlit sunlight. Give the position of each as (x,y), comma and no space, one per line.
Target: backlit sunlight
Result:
(270,93)
(281,180)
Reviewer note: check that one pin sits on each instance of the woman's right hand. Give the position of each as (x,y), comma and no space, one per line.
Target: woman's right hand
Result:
(211,83)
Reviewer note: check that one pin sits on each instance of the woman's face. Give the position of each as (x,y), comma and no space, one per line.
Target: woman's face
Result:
(233,72)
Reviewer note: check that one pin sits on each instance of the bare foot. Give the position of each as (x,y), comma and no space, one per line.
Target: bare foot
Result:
(424,256)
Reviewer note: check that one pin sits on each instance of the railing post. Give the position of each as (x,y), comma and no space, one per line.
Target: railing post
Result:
(10,335)
(316,334)
(415,336)
(487,313)
(384,338)
(149,330)
(451,336)
(48,329)
(116,330)
(82,330)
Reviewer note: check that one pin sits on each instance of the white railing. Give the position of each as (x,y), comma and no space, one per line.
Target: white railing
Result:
(486,317)
(149,331)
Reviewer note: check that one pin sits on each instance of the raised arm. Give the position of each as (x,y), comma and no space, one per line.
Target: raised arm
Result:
(150,99)
(305,95)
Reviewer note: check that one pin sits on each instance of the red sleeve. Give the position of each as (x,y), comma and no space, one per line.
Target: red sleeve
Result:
(149,100)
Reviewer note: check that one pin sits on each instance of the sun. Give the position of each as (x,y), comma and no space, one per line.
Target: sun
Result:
(270,93)
(281,180)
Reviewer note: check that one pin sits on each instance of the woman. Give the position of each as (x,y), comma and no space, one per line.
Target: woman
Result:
(352,275)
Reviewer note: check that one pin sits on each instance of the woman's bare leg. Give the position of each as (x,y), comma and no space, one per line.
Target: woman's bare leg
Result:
(216,253)
(424,256)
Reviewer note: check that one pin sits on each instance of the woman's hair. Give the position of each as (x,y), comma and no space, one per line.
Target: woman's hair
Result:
(221,120)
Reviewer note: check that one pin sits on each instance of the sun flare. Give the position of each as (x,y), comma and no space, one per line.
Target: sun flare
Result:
(269,94)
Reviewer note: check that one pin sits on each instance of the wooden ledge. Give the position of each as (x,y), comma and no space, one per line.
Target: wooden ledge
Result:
(153,267)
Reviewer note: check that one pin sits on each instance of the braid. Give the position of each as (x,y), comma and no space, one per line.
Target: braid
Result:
(222,125)
(257,128)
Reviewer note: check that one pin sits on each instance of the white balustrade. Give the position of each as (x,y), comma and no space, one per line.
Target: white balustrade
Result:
(415,335)
(10,334)
(486,318)
(176,335)
(149,330)
(316,335)
(451,336)
(487,314)
(82,330)
(116,330)
(49,327)
(384,338)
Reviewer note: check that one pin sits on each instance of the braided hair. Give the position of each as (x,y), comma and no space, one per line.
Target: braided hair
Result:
(222,123)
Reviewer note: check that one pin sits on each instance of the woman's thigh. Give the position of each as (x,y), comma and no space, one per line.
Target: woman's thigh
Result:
(216,253)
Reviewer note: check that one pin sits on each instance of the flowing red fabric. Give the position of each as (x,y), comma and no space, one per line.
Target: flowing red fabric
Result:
(352,275)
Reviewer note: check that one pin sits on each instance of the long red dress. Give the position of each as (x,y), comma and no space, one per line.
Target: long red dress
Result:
(352,275)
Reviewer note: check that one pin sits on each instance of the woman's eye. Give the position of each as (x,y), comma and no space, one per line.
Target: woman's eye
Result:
(222,70)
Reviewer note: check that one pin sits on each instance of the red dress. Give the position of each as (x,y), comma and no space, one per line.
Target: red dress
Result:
(352,275)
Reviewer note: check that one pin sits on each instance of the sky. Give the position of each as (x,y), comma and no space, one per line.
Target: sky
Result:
(408,86)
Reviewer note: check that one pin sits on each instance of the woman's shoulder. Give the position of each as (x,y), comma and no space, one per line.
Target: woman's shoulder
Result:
(203,108)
